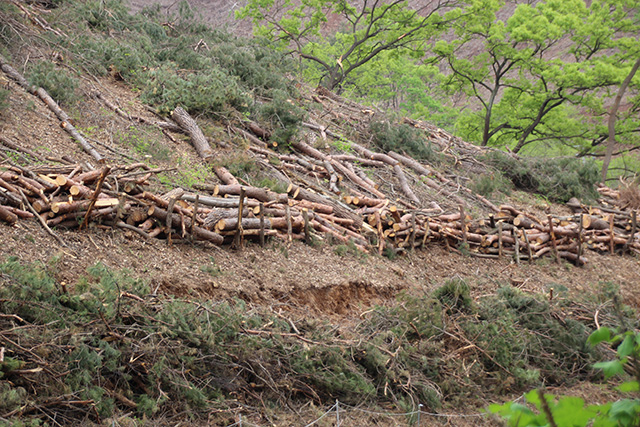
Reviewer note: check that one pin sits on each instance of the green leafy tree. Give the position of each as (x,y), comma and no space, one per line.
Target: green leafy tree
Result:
(403,84)
(365,30)
(537,74)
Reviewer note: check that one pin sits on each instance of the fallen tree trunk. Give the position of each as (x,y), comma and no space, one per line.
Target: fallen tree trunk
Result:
(198,140)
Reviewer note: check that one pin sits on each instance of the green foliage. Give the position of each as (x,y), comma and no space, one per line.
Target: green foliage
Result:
(204,92)
(404,84)
(244,167)
(148,145)
(403,139)
(454,295)
(349,249)
(542,75)
(572,411)
(558,179)
(11,398)
(212,268)
(59,83)
(491,183)
(107,335)
(366,31)
(203,70)
(283,116)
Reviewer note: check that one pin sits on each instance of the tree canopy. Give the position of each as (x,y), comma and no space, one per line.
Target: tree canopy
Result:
(363,30)
(529,74)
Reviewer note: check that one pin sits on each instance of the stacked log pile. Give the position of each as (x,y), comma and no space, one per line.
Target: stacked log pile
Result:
(75,198)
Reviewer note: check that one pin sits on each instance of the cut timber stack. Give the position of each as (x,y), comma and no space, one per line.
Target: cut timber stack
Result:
(80,197)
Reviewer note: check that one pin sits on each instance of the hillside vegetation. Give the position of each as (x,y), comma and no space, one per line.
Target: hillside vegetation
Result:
(402,269)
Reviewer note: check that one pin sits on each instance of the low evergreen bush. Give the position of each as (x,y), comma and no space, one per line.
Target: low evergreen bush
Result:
(558,179)
(402,139)
(58,82)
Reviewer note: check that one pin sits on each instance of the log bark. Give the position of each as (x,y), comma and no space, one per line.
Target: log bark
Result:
(198,140)
(53,106)
(225,176)
(218,202)
(7,216)
(260,194)
(404,185)
(177,221)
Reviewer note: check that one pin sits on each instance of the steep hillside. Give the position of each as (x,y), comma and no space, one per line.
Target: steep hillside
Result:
(395,270)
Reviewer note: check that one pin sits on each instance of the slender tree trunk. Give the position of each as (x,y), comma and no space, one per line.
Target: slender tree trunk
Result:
(334,78)
(611,141)
(487,117)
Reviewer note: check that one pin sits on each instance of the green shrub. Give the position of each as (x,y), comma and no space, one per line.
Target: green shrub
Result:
(198,92)
(402,139)
(282,116)
(491,183)
(59,83)
(558,179)
(103,15)
(454,295)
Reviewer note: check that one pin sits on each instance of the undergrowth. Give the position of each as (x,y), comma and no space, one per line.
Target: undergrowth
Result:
(171,60)
(402,138)
(559,179)
(108,343)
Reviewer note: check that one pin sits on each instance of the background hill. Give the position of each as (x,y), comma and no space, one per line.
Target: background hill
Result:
(405,287)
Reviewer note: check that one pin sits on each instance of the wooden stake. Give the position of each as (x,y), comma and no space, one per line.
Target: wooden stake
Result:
(611,247)
(634,226)
(196,204)
(553,239)
(305,218)
(287,213)
(237,242)
(413,229)
(499,240)
(380,232)
(516,244)
(463,223)
(526,239)
(580,227)
(94,197)
(262,224)
(426,233)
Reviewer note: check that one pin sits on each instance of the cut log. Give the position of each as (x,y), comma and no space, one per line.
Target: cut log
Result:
(260,194)
(225,176)
(404,185)
(81,205)
(198,140)
(231,224)
(219,202)
(7,216)
(177,221)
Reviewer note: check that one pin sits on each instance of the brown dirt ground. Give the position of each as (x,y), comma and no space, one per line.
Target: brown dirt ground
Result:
(301,280)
